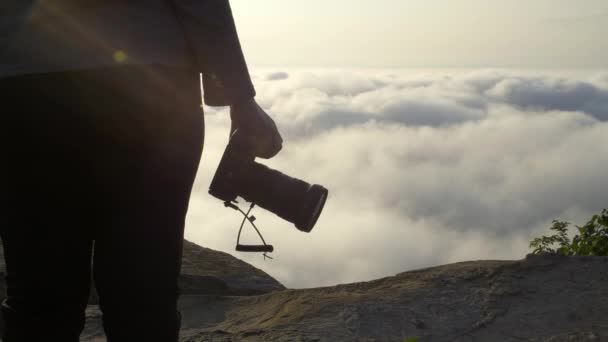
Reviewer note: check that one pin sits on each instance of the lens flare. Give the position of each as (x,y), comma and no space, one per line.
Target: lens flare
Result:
(120,56)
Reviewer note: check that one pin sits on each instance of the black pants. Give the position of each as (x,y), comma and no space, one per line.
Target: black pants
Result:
(96,163)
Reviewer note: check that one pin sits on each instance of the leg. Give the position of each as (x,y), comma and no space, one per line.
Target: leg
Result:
(48,287)
(148,172)
(44,214)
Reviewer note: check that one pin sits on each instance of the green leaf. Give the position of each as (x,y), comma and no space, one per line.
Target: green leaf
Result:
(592,238)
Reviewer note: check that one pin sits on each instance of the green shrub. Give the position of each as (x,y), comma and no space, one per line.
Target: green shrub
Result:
(592,238)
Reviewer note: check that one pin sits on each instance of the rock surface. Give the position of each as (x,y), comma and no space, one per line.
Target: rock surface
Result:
(539,298)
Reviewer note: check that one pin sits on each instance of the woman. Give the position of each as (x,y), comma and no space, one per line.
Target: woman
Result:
(101,136)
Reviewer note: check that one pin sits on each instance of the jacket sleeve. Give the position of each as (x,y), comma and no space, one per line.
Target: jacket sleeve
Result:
(211,32)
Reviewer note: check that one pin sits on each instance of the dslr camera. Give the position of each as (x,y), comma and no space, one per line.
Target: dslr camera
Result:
(239,175)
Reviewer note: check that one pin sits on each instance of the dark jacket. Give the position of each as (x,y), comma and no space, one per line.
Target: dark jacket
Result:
(38,36)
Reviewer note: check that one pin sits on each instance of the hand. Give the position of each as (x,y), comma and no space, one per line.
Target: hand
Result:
(251,120)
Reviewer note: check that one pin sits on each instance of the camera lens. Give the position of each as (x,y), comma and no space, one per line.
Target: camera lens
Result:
(290,198)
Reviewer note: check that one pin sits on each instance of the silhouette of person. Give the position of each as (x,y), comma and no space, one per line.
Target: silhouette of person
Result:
(100,140)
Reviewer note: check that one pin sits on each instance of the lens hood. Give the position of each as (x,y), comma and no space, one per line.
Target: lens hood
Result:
(312,207)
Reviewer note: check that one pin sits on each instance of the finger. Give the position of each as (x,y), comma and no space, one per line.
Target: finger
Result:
(272,147)
(277,141)
(279,138)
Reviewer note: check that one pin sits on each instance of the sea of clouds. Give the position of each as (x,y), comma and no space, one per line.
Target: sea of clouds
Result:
(424,167)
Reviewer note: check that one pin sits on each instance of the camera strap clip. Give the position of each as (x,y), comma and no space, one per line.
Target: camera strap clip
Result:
(265,248)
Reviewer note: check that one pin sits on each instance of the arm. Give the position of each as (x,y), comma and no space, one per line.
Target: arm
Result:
(210,29)
(211,32)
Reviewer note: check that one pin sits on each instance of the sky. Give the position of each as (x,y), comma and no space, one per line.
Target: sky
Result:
(424,33)
(445,131)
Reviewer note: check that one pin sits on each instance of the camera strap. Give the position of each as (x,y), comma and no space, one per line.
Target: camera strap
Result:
(265,248)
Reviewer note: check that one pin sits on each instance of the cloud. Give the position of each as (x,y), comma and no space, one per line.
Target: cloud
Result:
(423,168)
(277,76)
(553,94)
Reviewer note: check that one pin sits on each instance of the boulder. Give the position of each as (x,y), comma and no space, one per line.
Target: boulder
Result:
(204,266)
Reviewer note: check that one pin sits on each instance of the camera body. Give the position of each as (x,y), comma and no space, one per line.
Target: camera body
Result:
(292,199)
